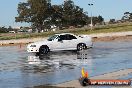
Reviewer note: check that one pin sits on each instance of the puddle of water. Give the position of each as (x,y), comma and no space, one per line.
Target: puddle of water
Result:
(19,69)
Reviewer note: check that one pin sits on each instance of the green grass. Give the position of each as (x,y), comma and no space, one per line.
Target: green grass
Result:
(99,29)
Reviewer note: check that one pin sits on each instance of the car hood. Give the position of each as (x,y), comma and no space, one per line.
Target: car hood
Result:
(42,42)
(82,36)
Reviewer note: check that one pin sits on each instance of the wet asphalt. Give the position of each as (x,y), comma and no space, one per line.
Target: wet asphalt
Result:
(19,69)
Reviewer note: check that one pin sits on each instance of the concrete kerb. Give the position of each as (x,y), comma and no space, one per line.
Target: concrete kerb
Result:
(19,41)
(111,75)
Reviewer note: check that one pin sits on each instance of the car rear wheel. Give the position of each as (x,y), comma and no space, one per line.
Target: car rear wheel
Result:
(81,46)
(43,50)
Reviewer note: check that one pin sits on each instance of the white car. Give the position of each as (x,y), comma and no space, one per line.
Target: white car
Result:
(63,41)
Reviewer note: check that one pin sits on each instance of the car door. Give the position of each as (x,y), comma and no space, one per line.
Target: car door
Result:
(63,42)
(72,40)
(60,43)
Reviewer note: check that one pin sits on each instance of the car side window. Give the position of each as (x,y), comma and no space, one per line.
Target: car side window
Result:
(70,37)
(66,37)
(62,37)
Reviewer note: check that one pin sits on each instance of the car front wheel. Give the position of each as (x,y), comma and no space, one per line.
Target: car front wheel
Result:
(43,50)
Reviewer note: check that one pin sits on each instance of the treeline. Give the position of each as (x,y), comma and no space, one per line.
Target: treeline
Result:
(5,30)
(127,17)
(42,14)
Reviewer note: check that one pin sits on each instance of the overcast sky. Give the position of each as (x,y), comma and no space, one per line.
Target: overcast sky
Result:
(107,8)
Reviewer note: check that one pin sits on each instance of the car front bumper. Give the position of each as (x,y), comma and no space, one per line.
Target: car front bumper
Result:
(32,49)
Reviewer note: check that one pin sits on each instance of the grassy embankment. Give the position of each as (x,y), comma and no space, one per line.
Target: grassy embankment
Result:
(98,29)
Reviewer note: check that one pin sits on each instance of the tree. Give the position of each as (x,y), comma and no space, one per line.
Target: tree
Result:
(73,15)
(79,16)
(34,11)
(95,19)
(112,21)
(68,8)
(41,14)
(100,19)
(10,28)
(3,29)
(127,16)
(56,17)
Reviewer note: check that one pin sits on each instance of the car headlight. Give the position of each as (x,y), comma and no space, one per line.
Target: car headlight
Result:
(33,46)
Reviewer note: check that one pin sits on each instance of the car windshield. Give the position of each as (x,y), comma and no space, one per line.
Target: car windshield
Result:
(52,37)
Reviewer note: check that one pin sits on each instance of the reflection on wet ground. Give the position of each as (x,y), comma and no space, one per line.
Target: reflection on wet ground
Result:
(19,69)
(58,60)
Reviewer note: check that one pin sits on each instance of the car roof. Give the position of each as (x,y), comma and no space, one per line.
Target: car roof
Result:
(64,34)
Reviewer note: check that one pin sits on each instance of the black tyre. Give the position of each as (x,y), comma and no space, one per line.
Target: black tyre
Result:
(43,50)
(85,81)
(37,54)
(81,46)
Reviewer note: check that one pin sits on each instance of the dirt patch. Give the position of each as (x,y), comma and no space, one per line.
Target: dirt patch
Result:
(113,38)
(14,44)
